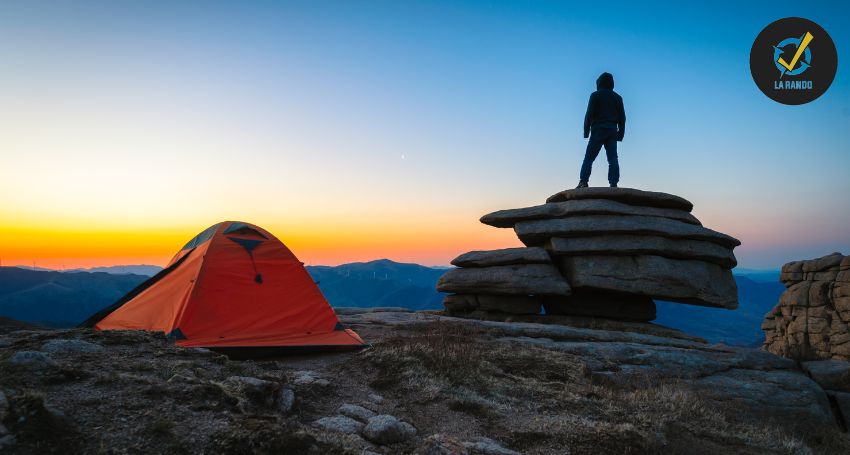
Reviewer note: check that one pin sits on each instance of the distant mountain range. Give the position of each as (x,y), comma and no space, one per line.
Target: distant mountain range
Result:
(379,283)
(66,298)
(59,299)
(142,269)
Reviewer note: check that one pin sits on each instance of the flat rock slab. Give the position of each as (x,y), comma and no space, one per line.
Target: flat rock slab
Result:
(737,377)
(625,195)
(507,218)
(521,279)
(830,374)
(628,358)
(614,331)
(630,245)
(506,256)
(683,281)
(538,232)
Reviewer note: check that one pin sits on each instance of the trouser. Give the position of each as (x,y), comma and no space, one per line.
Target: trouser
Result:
(598,138)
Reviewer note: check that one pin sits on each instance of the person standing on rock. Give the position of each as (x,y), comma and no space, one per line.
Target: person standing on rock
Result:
(605,123)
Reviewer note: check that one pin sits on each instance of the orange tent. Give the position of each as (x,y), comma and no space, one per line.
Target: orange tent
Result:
(232,286)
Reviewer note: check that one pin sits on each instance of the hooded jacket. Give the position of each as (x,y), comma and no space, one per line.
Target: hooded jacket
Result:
(605,108)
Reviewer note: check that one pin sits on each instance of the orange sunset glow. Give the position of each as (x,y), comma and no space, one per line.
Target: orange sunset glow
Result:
(65,248)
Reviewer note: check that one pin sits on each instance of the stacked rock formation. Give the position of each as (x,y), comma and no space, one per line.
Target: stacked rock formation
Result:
(812,319)
(605,252)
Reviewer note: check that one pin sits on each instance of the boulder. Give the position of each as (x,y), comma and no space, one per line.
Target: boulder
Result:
(507,218)
(487,446)
(339,424)
(684,281)
(538,232)
(629,196)
(612,305)
(356,412)
(506,256)
(829,374)
(308,378)
(518,279)
(253,394)
(631,245)
(386,429)
(285,400)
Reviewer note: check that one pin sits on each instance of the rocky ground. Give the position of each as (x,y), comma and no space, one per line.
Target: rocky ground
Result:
(428,384)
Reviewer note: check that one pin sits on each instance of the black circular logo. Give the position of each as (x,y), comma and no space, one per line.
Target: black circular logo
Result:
(793,61)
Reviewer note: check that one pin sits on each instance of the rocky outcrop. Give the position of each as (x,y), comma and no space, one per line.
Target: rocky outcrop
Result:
(507,256)
(646,245)
(629,196)
(508,218)
(686,281)
(812,319)
(538,232)
(520,279)
(600,252)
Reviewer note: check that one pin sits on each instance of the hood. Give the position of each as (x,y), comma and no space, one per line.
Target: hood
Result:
(605,81)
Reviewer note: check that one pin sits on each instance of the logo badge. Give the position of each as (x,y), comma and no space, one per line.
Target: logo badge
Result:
(793,61)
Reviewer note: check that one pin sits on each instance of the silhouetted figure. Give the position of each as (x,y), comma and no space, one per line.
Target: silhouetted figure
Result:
(605,122)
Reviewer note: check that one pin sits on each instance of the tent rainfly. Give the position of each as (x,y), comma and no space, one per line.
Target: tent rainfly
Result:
(234,287)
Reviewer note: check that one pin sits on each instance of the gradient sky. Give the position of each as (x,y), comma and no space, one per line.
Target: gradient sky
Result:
(357,130)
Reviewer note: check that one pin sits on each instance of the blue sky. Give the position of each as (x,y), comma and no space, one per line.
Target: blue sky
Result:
(381,125)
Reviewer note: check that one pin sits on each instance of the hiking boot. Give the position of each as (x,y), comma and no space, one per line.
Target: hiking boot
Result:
(581,184)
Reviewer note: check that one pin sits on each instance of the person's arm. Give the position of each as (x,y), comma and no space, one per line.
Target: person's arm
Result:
(588,116)
(621,125)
